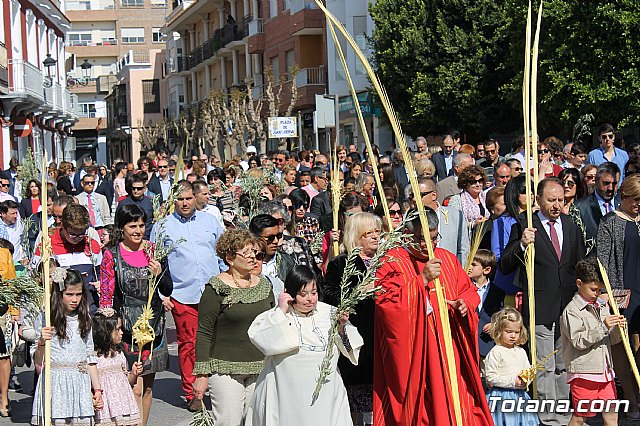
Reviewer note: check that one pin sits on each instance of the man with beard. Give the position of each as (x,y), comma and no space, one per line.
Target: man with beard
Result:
(411,383)
(602,201)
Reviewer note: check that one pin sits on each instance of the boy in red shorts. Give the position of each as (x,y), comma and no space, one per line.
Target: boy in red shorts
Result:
(588,331)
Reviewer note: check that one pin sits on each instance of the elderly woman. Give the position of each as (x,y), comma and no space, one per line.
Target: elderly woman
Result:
(574,188)
(302,223)
(365,185)
(294,339)
(124,286)
(471,201)
(226,360)
(618,248)
(425,168)
(361,230)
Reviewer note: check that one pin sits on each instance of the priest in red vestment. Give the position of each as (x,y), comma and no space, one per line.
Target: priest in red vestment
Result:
(411,384)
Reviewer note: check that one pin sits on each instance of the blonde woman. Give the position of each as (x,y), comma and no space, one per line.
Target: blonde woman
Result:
(425,168)
(362,230)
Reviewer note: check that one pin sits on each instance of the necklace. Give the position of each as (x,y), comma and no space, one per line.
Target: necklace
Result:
(237,283)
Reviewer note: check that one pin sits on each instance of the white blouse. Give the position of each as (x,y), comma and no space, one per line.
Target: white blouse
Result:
(503,365)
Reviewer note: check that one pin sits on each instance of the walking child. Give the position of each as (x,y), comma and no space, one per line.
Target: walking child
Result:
(588,331)
(120,405)
(504,365)
(75,387)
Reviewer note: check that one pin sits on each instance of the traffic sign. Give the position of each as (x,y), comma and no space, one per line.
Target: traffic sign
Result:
(22,127)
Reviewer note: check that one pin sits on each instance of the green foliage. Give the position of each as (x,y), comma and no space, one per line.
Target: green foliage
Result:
(29,169)
(459,63)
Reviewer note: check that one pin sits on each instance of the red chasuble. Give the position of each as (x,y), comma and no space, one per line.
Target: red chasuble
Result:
(410,379)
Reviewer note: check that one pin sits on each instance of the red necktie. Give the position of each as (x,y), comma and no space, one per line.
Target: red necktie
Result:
(92,214)
(554,238)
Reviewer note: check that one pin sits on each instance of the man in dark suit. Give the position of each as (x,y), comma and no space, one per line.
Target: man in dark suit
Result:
(444,160)
(602,201)
(162,182)
(558,247)
(321,210)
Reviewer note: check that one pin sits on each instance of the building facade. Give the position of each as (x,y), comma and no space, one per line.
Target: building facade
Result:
(103,34)
(38,111)
(220,45)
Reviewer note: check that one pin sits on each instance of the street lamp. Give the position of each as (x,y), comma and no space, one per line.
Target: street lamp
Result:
(49,63)
(86,75)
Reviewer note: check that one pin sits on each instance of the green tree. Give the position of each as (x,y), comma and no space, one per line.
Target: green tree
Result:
(589,58)
(442,64)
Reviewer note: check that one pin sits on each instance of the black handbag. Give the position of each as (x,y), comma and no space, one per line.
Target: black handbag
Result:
(132,307)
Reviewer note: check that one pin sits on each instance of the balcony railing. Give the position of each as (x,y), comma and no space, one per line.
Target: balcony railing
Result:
(296,6)
(90,5)
(132,58)
(255,27)
(103,42)
(26,78)
(221,38)
(311,76)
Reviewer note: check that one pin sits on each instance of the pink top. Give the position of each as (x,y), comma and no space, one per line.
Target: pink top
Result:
(137,259)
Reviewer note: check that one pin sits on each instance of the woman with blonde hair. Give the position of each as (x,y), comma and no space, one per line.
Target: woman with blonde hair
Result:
(425,168)
(362,231)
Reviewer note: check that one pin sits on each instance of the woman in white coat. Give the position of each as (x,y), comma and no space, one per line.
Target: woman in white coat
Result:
(293,336)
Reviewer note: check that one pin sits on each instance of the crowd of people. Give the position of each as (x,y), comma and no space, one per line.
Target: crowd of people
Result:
(243,255)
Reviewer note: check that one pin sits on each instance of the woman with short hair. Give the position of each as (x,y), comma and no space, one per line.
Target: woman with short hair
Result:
(471,201)
(226,361)
(362,231)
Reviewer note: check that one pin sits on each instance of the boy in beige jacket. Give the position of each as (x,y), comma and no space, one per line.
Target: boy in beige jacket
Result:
(588,331)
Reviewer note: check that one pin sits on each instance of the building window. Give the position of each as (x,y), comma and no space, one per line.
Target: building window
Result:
(151,96)
(108,37)
(158,3)
(273,8)
(79,39)
(88,110)
(290,61)
(157,36)
(132,3)
(133,35)
(275,69)
(360,32)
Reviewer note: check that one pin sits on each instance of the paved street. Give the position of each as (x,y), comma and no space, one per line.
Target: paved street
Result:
(168,407)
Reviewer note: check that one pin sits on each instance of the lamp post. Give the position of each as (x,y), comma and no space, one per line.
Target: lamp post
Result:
(86,75)
(49,63)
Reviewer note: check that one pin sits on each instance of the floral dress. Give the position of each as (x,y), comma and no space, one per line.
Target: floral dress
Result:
(72,400)
(120,406)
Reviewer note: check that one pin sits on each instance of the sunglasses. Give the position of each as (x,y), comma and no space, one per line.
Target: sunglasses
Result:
(163,167)
(257,255)
(393,213)
(518,169)
(607,136)
(137,188)
(481,180)
(299,206)
(570,183)
(5,185)
(424,194)
(88,183)
(271,238)
(543,151)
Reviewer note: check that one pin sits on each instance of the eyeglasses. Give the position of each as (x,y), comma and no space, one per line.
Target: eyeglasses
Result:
(74,235)
(607,136)
(543,151)
(137,188)
(257,255)
(88,182)
(569,183)
(371,233)
(481,180)
(299,206)
(393,213)
(271,238)
(518,169)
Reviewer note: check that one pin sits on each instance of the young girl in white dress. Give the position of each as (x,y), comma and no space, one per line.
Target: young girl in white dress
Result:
(294,338)
(75,387)
(504,365)
(120,406)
